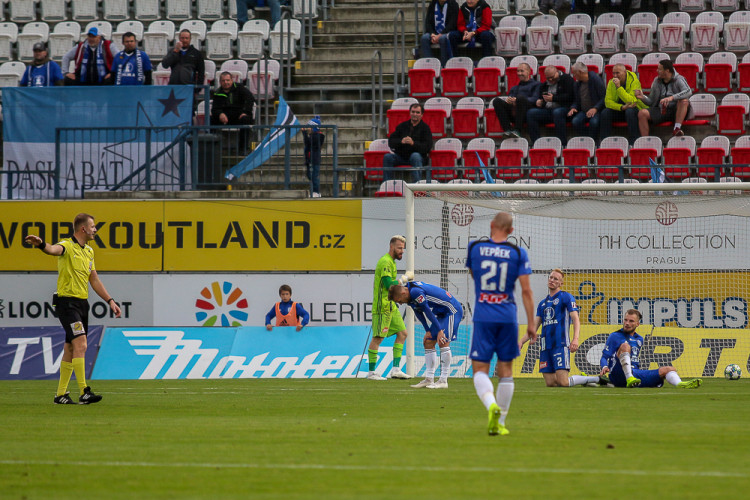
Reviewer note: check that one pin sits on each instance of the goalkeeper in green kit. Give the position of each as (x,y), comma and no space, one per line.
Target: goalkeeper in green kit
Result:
(386,318)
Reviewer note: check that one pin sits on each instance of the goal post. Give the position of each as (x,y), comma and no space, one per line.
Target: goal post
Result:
(677,252)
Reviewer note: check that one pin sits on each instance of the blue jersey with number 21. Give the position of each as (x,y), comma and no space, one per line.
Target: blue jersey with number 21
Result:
(495,268)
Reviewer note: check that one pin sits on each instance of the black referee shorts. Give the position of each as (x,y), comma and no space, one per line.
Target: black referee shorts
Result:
(73,314)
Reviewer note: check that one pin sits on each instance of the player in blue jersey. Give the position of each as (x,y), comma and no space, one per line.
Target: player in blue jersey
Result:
(440,314)
(555,314)
(495,265)
(620,360)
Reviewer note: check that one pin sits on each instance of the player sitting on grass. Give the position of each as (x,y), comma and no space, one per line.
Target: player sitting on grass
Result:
(620,360)
(555,314)
(444,313)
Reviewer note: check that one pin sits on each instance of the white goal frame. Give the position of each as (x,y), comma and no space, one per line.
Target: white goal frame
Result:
(607,190)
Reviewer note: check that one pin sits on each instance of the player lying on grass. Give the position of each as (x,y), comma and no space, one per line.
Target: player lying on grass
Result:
(555,314)
(620,360)
(444,312)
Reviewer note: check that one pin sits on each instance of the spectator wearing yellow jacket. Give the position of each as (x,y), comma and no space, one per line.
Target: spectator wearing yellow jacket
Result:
(621,103)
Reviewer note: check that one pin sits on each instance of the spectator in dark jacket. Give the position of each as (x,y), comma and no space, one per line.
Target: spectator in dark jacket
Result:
(411,143)
(186,62)
(520,99)
(552,104)
(588,103)
(440,19)
(233,105)
(475,25)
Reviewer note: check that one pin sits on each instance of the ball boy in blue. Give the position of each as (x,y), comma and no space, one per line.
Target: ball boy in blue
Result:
(495,265)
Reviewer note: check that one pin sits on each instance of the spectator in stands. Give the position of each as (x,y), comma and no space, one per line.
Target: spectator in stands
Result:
(621,104)
(412,143)
(93,59)
(440,20)
(233,105)
(588,103)
(669,100)
(313,140)
(621,6)
(551,7)
(587,7)
(474,25)
(244,5)
(521,98)
(552,104)
(131,66)
(42,72)
(287,312)
(186,62)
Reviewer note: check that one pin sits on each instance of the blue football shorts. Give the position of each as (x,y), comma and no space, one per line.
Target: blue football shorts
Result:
(449,323)
(494,338)
(557,358)
(649,378)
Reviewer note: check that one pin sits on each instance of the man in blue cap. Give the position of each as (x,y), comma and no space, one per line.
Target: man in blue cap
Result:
(93,60)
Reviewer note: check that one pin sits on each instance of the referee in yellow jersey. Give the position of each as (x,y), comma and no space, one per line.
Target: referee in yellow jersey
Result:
(75,268)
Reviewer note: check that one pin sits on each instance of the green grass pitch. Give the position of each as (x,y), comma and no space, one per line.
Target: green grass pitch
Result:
(341,439)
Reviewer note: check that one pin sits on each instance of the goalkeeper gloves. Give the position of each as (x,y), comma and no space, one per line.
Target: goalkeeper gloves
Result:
(405,278)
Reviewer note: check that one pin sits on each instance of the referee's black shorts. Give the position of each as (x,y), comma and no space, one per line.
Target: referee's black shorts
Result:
(73,314)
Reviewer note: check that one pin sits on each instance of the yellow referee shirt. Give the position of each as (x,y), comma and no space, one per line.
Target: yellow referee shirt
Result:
(74,267)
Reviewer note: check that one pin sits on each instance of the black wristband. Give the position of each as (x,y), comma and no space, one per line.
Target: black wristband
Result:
(111,298)
(42,245)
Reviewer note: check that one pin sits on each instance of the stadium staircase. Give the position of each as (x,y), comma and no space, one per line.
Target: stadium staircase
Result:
(335,80)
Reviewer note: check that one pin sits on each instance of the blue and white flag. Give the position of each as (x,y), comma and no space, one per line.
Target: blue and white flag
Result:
(91,159)
(484,169)
(657,173)
(276,138)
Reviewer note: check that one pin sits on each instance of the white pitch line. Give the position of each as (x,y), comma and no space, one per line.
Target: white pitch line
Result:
(370,467)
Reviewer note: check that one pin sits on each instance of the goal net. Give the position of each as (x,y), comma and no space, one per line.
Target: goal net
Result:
(678,253)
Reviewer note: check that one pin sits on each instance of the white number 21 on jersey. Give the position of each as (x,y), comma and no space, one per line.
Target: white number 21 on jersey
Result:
(489,281)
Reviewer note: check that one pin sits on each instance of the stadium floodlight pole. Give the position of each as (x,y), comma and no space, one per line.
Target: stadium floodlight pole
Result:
(410,249)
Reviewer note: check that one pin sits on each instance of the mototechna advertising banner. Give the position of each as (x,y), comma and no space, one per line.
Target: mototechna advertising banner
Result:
(245,352)
(35,353)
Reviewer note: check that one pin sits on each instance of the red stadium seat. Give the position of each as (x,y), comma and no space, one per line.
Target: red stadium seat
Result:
(677,157)
(511,159)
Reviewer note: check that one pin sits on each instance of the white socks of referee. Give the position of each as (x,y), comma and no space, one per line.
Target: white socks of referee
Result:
(627,368)
(430,362)
(445,363)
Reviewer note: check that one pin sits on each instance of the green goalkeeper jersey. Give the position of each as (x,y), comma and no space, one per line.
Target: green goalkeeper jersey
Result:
(385,276)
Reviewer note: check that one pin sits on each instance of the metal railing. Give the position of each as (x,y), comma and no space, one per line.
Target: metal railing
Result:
(377,116)
(170,159)
(399,53)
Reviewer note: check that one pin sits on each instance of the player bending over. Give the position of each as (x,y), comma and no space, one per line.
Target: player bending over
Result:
(555,314)
(444,313)
(495,264)
(620,360)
